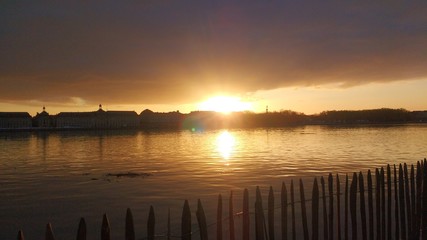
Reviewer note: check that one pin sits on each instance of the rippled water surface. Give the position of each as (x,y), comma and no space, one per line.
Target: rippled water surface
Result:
(62,176)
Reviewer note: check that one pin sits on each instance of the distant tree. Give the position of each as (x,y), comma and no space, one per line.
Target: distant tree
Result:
(383,115)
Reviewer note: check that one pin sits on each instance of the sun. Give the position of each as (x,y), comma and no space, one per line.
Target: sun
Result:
(225,104)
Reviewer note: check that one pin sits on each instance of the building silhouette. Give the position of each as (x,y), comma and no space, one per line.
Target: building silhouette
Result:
(150,119)
(97,119)
(198,120)
(43,120)
(15,120)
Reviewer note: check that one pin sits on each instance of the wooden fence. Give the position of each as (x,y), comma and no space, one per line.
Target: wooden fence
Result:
(362,210)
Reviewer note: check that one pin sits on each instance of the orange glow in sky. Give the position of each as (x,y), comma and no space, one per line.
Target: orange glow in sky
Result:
(225,104)
(175,55)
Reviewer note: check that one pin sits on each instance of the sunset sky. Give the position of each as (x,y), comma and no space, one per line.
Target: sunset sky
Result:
(168,55)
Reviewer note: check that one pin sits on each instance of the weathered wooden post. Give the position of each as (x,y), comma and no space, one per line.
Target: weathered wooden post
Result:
(362,205)
(338,208)
(186,222)
(370,207)
(346,208)
(402,203)
(219,219)
(396,205)
(49,232)
(151,223)
(271,214)
(424,201)
(419,180)
(130,230)
(105,228)
(315,211)
(389,233)
(246,214)
(201,219)
(81,231)
(407,199)
(303,210)
(284,217)
(231,216)
(413,216)
(331,206)
(325,213)
(259,216)
(383,223)
(378,202)
(353,199)
(293,210)
(169,224)
(20,235)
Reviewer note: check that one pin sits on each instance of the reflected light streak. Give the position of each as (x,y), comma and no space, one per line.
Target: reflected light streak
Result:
(225,144)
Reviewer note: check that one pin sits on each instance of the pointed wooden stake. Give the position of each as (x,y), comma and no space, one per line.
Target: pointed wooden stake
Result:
(284,198)
(49,232)
(105,228)
(186,222)
(246,214)
(353,200)
(303,210)
(315,211)
(130,230)
(271,214)
(231,216)
(201,219)
(219,219)
(20,235)
(151,223)
(259,216)
(81,232)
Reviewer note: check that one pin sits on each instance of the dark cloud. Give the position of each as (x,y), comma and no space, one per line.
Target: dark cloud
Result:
(168,51)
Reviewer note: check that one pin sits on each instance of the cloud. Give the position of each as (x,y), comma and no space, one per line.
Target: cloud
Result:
(158,52)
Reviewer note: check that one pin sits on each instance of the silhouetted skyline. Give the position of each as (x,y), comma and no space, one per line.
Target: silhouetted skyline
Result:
(200,120)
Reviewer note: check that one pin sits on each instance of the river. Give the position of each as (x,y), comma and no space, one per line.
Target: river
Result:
(59,177)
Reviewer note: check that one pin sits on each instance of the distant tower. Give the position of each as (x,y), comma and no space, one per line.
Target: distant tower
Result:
(44,108)
(100,106)
(266,109)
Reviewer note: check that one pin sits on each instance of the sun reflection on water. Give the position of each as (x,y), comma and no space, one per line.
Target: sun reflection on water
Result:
(225,144)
